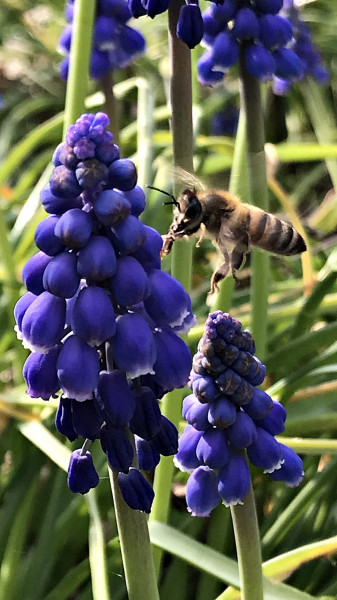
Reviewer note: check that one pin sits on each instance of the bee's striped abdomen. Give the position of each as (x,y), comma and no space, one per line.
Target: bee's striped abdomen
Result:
(271,233)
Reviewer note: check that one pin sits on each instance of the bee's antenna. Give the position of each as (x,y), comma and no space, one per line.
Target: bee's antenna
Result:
(173,201)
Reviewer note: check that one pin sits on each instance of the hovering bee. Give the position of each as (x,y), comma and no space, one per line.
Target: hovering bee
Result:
(233,225)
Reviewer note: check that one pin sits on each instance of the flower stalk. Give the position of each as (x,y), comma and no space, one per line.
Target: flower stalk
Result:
(248,548)
(252,107)
(77,83)
(181,266)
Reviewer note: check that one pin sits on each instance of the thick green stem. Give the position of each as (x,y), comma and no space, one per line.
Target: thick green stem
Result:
(238,185)
(135,546)
(182,136)
(248,547)
(252,107)
(77,84)
(110,104)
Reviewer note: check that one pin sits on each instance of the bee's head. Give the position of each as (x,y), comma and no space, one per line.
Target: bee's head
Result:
(187,213)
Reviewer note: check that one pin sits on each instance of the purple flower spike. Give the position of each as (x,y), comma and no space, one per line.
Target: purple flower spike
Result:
(74,228)
(117,447)
(32,272)
(136,491)
(201,492)
(226,414)
(115,398)
(97,260)
(43,323)
(146,419)
(82,475)
(40,374)
(133,345)
(61,277)
(78,369)
(234,480)
(93,316)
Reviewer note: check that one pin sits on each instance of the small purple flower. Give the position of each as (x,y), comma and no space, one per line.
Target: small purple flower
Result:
(40,373)
(115,398)
(32,272)
(43,323)
(201,492)
(60,276)
(136,491)
(190,27)
(133,345)
(117,447)
(97,260)
(82,475)
(93,316)
(78,382)
(234,480)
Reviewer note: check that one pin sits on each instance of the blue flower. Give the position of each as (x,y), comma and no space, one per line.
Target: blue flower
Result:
(202,492)
(84,316)
(136,491)
(228,416)
(115,44)
(82,475)
(78,368)
(190,27)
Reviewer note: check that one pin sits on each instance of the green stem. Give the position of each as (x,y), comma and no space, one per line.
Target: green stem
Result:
(181,266)
(238,185)
(145,110)
(77,84)
(248,547)
(135,547)
(110,104)
(252,107)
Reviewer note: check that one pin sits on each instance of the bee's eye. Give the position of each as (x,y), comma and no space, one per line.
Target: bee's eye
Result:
(193,210)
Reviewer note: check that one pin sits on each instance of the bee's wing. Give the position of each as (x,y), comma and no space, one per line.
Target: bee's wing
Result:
(187,178)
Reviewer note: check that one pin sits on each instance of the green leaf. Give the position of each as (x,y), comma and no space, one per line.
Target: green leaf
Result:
(210,561)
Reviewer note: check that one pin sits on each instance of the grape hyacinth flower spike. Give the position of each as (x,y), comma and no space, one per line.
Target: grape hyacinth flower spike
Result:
(96,316)
(228,417)
(115,43)
(264,36)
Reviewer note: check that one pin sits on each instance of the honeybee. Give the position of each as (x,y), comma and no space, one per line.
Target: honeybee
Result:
(233,225)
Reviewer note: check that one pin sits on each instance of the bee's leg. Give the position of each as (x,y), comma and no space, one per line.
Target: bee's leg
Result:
(167,244)
(220,274)
(202,235)
(238,255)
